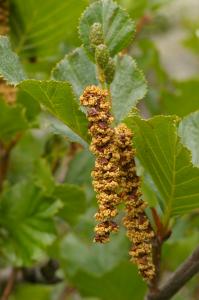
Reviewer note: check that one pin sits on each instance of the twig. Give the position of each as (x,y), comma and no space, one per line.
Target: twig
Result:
(5,151)
(182,275)
(10,284)
(143,21)
(66,293)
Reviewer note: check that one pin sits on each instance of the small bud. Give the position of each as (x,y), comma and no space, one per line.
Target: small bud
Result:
(96,35)
(102,55)
(109,71)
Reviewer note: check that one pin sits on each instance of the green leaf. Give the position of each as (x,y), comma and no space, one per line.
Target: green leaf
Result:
(43,176)
(189,133)
(128,87)
(59,128)
(39,28)
(12,120)
(10,67)
(57,98)
(77,69)
(32,108)
(26,222)
(118,28)
(168,162)
(73,199)
(25,154)
(80,168)
(182,99)
(122,282)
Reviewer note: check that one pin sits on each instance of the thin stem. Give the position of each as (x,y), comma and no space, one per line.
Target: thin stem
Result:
(10,285)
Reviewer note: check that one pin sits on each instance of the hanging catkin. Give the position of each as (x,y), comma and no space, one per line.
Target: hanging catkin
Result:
(139,230)
(106,173)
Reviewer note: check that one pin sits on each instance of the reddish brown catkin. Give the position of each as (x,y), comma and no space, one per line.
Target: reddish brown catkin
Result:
(106,173)
(139,230)
(4,15)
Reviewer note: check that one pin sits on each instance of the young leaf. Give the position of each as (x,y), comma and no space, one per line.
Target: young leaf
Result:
(57,127)
(26,219)
(77,69)
(73,199)
(189,133)
(57,98)
(168,162)
(12,120)
(117,27)
(127,88)
(10,67)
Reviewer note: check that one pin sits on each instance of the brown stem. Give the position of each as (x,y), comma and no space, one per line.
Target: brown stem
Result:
(178,279)
(143,21)
(5,151)
(10,285)
(162,234)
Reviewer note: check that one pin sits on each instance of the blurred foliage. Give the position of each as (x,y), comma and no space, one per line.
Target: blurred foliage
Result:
(47,201)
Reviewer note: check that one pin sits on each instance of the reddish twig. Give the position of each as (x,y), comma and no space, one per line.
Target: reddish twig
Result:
(10,285)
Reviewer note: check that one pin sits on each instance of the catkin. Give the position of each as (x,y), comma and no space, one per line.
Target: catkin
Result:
(4,15)
(139,230)
(7,92)
(106,173)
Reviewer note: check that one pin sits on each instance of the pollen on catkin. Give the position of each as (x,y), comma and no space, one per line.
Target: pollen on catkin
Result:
(106,173)
(139,230)
(4,15)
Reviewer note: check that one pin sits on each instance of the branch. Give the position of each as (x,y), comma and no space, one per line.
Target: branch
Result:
(182,275)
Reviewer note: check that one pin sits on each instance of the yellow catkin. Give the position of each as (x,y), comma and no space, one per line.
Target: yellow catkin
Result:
(139,230)
(106,173)
(7,92)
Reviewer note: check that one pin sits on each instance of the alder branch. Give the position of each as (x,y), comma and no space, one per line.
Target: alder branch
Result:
(178,279)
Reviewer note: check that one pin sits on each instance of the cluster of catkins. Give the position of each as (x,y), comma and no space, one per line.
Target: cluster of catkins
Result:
(115,180)
(8,92)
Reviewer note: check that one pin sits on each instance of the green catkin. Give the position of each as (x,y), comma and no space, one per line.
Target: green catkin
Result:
(139,230)
(109,71)
(96,35)
(106,174)
(101,56)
